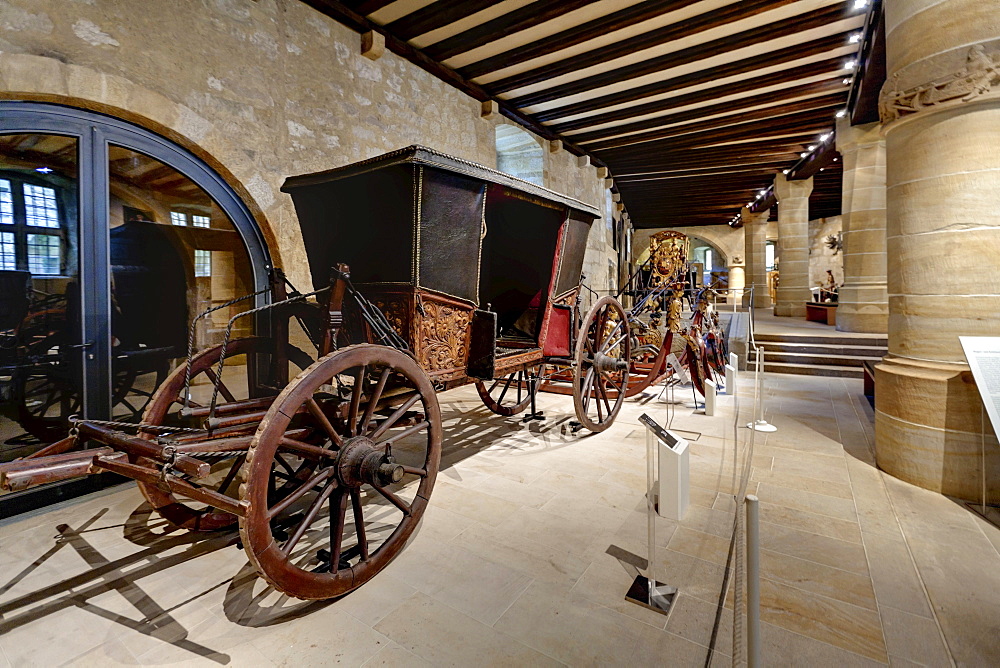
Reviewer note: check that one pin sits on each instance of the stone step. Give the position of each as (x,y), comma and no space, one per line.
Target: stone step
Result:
(820,359)
(815,370)
(799,339)
(823,349)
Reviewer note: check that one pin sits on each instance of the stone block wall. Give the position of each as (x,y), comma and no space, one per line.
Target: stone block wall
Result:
(261,89)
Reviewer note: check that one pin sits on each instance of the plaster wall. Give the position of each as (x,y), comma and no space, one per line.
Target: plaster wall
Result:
(261,90)
(821,257)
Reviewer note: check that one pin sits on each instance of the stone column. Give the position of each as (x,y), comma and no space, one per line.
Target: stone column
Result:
(864,301)
(793,246)
(941,113)
(755,235)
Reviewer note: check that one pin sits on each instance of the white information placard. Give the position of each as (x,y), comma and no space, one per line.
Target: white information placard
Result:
(983,355)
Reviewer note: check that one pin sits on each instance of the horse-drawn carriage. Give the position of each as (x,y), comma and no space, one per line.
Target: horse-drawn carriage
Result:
(429,272)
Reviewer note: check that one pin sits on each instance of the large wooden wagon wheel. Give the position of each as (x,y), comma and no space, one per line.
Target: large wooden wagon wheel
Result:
(601,369)
(164,410)
(378,460)
(509,395)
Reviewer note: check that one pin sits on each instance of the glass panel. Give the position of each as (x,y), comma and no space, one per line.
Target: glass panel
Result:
(174,254)
(40,206)
(40,356)
(6,203)
(43,254)
(8,254)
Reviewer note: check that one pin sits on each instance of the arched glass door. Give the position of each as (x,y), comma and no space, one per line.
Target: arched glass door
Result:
(112,240)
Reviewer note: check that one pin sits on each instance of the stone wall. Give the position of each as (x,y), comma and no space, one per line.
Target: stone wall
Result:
(822,257)
(261,90)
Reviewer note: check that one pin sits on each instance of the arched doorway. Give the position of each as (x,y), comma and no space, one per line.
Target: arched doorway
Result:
(112,240)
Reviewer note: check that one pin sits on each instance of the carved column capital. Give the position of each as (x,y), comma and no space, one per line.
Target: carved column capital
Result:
(977,77)
(784,188)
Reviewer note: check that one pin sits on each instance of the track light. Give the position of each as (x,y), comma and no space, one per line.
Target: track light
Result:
(847,81)
(841,113)
(785,171)
(812,148)
(855,38)
(860,4)
(850,64)
(802,155)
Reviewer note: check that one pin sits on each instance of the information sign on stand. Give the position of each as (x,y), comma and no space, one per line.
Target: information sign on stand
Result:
(646,590)
(983,355)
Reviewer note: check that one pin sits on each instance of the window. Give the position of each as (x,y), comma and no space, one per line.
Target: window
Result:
(30,210)
(40,209)
(43,254)
(201,221)
(769,256)
(202,263)
(178,218)
(518,154)
(6,203)
(8,252)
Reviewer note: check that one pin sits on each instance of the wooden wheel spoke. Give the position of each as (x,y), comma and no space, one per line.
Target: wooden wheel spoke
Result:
(223,390)
(233,472)
(359,524)
(506,387)
(494,385)
(588,381)
(374,399)
(597,381)
(310,516)
(394,418)
(277,508)
(358,390)
(338,513)
(394,499)
(317,412)
(604,395)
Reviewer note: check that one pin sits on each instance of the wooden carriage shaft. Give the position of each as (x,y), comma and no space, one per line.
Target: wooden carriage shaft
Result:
(139,447)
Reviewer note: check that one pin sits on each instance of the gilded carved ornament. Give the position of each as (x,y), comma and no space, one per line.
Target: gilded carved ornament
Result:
(979,76)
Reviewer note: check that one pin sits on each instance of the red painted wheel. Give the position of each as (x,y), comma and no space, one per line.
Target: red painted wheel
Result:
(378,458)
(164,410)
(601,369)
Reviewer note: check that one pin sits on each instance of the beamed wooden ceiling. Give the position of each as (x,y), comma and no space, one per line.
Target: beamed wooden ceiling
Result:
(693,106)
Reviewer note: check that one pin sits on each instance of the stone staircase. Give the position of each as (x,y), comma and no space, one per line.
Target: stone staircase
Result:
(818,355)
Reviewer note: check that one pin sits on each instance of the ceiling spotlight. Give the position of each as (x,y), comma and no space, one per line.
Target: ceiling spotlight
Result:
(785,171)
(855,38)
(847,81)
(44,170)
(812,148)
(841,113)
(860,4)
(824,137)
(802,155)
(836,159)
(850,64)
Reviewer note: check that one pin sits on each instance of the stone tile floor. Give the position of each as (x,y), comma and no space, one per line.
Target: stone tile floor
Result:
(526,552)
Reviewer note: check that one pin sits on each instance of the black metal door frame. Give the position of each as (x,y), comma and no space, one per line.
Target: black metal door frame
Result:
(94,133)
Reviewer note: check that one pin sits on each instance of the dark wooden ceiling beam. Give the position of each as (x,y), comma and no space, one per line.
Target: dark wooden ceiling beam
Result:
(665,35)
(436,15)
(801,92)
(753,37)
(366,7)
(818,119)
(706,76)
(573,36)
(834,100)
(508,24)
